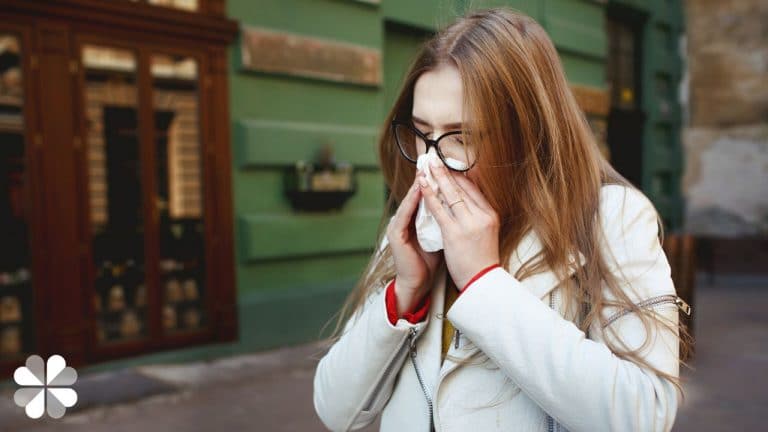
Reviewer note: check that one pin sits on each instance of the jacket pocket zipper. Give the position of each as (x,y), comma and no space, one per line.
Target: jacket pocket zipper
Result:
(653,302)
(412,349)
(388,369)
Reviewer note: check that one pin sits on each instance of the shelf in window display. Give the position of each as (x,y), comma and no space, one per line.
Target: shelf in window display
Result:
(10,310)
(185,290)
(11,342)
(171,265)
(123,326)
(14,278)
(182,318)
(117,299)
(11,100)
(117,268)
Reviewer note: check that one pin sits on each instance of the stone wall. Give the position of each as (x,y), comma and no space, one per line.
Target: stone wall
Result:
(726,130)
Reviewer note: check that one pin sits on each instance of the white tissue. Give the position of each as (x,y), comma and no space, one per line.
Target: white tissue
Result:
(427,229)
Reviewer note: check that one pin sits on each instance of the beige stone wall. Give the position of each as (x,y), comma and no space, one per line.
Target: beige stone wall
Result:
(726,132)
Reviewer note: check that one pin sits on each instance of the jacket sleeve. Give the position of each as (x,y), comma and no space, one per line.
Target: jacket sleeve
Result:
(580,381)
(354,379)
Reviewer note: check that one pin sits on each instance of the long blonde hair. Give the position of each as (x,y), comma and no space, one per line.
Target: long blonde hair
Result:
(548,174)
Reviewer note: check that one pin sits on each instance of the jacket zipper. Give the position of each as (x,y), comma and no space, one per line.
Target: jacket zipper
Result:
(388,370)
(653,302)
(412,349)
(550,420)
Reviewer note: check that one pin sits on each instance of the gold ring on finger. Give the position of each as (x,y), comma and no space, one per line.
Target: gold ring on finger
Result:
(455,202)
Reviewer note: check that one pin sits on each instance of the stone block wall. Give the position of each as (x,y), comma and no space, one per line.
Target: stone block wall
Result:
(726,132)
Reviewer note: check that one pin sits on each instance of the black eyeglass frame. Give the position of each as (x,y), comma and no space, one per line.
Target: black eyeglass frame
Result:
(428,142)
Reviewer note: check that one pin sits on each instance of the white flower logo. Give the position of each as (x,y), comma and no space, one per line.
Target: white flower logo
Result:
(45,386)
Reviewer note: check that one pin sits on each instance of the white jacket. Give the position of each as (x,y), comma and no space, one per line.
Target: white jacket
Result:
(536,370)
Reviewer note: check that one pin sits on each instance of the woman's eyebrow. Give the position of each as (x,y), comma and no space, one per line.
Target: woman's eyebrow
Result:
(446,126)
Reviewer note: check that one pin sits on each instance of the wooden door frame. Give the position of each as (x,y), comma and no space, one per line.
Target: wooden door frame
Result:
(205,35)
(34,179)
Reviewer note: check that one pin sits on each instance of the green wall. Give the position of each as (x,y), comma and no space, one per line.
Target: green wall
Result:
(294,269)
(283,256)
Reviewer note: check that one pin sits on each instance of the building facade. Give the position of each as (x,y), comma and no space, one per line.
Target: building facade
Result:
(301,264)
(263,173)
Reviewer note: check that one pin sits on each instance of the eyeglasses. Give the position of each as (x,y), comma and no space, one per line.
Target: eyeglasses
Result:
(450,146)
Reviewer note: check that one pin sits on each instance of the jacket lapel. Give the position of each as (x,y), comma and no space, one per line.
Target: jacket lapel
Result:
(542,283)
(539,285)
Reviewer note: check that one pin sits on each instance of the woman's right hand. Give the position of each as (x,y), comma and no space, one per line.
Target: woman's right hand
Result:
(414,267)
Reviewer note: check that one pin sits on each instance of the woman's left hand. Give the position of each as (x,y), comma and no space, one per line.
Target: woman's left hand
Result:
(470,231)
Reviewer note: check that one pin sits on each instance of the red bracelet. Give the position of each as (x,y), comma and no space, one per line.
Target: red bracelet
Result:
(412,317)
(479,275)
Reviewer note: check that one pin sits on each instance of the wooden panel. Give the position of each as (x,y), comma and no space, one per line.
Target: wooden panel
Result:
(291,54)
(64,323)
(151,21)
(33,339)
(307,234)
(681,253)
(219,194)
(282,143)
(591,99)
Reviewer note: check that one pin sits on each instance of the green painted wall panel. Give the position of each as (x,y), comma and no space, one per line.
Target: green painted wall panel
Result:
(577,27)
(533,8)
(293,277)
(287,261)
(583,70)
(265,97)
(348,21)
(267,236)
(401,44)
(270,142)
(662,152)
(424,14)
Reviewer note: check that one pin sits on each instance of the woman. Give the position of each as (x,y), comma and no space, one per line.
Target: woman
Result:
(551,305)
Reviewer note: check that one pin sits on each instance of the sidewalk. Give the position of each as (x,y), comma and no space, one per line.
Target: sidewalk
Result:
(269,391)
(272,391)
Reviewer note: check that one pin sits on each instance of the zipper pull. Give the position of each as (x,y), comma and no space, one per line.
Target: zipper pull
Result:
(457,335)
(685,307)
(412,341)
